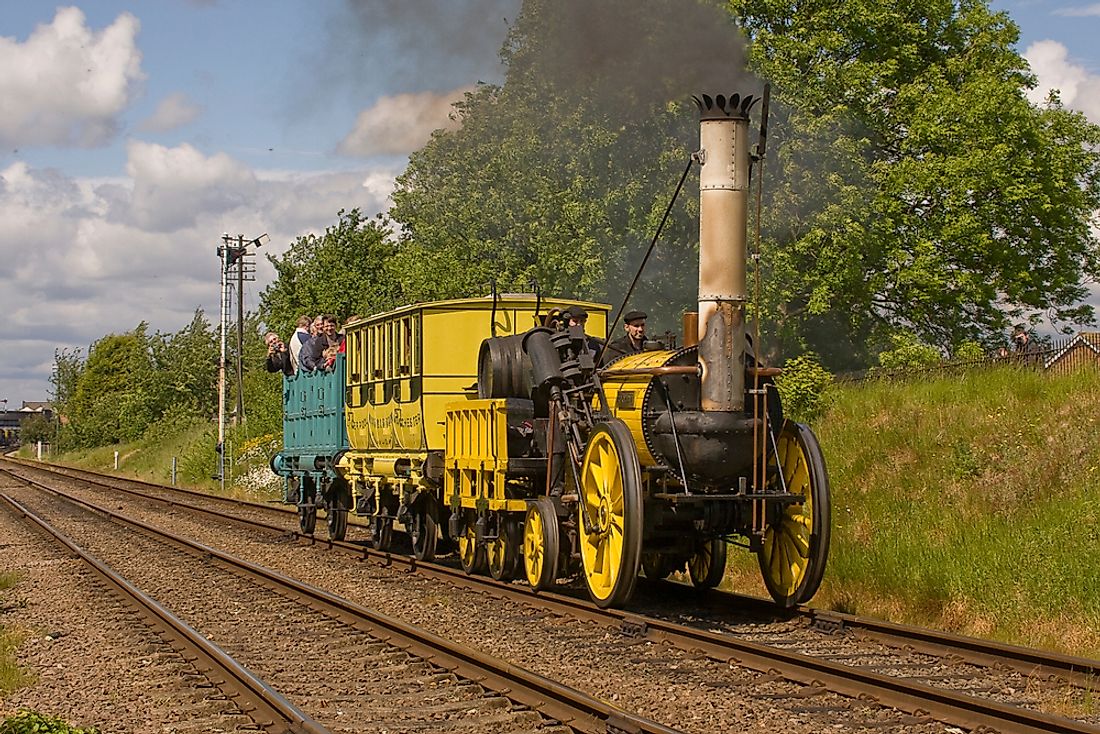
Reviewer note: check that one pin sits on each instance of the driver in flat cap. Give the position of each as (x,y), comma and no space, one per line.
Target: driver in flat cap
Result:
(578,316)
(634,340)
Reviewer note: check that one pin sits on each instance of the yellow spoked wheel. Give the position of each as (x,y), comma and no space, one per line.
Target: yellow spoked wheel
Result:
(502,552)
(541,544)
(611,501)
(796,542)
(707,567)
(470,553)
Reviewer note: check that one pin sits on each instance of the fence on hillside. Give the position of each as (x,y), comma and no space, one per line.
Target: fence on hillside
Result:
(1057,356)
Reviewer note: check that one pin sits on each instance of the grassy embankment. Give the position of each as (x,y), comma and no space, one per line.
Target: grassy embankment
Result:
(969,503)
(193,447)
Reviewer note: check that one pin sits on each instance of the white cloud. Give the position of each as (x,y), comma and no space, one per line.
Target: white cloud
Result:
(1078,11)
(1079,89)
(401,123)
(175,110)
(87,257)
(66,85)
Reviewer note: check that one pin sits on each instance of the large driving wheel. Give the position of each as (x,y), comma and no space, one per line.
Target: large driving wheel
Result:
(707,567)
(422,531)
(470,553)
(541,544)
(796,543)
(611,499)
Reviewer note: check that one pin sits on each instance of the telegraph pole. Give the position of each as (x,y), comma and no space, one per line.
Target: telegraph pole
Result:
(235,260)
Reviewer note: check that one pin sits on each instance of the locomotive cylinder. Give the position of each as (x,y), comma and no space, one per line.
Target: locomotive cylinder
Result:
(723,224)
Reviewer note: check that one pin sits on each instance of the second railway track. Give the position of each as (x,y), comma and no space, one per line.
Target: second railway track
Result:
(970,694)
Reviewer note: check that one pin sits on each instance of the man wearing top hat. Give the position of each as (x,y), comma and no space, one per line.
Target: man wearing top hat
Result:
(634,340)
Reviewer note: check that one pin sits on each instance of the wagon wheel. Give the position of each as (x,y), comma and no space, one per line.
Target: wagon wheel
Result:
(541,544)
(656,566)
(707,567)
(382,533)
(307,507)
(470,553)
(502,552)
(307,519)
(337,518)
(293,491)
(337,521)
(796,542)
(422,531)
(611,497)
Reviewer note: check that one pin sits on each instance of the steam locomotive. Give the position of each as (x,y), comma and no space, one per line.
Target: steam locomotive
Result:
(485,426)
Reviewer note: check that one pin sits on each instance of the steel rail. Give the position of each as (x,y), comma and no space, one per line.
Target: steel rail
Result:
(571,707)
(269,708)
(914,698)
(1076,670)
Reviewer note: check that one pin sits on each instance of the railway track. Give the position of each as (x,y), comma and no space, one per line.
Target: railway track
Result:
(960,681)
(428,678)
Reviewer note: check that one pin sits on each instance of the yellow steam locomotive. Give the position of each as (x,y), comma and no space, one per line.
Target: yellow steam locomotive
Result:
(487,426)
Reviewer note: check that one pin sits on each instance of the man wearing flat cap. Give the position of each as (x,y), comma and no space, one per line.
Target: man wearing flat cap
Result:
(578,316)
(634,340)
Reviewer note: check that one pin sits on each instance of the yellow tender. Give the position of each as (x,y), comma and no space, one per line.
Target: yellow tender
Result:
(404,368)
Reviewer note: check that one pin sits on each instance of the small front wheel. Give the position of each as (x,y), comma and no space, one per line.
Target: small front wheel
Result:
(541,544)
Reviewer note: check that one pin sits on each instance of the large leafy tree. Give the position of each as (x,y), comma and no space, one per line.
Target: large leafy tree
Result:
(914,185)
(345,271)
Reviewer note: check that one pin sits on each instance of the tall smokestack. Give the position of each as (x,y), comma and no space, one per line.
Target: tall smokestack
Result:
(723,227)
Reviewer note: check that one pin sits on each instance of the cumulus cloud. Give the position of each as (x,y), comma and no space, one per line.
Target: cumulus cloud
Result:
(87,257)
(1078,88)
(174,111)
(401,123)
(66,85)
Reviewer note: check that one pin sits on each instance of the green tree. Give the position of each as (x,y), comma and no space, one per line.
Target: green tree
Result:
(345,272)
(187,364)
(912,184)
(36,428)
(115,397)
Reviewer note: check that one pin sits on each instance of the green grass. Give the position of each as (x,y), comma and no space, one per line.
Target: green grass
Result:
(12,676)
(8,579)
(192,443)
(32,722)
(970,503)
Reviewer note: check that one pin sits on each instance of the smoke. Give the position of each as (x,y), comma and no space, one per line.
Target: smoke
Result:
(636,53)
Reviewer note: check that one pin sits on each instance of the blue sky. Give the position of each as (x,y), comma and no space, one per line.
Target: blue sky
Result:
(133,134)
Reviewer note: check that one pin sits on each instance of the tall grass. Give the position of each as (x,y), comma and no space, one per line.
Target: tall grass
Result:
(969,502)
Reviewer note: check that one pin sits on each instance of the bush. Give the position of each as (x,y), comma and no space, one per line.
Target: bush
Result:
(31,722)
(908,352)
(969,351)
(804,388)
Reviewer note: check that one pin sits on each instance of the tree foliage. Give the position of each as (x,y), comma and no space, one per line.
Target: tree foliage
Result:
(345,271)
(131,380)
(562,174)
(913,185)
(910,185)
